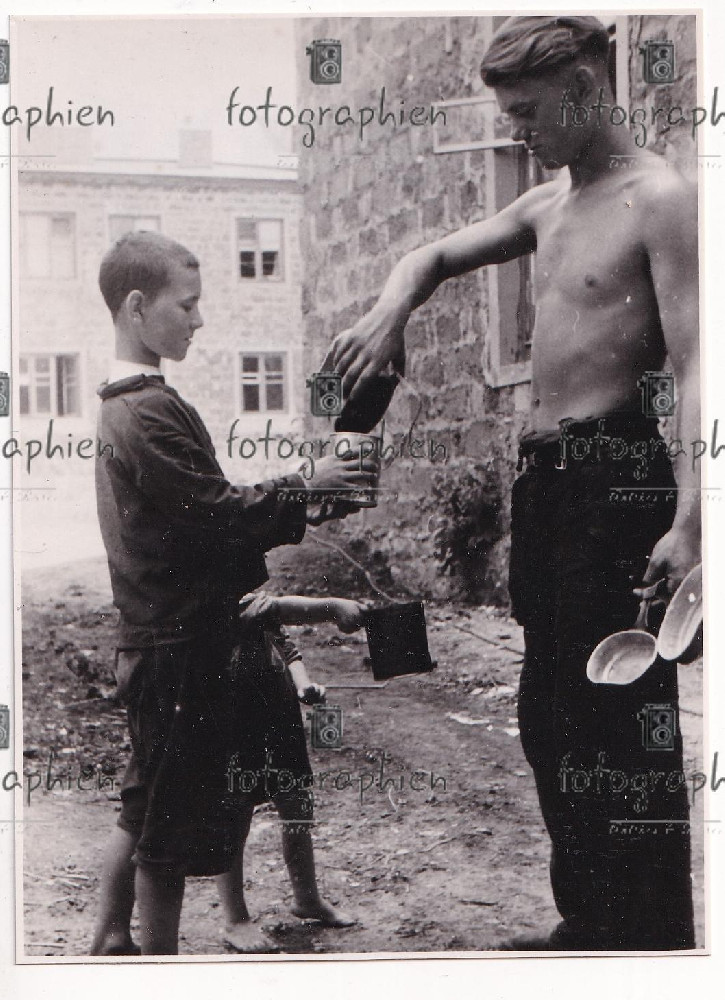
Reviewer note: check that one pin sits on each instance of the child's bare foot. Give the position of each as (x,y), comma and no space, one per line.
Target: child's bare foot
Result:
(324,914)
(246,939)
(113,946)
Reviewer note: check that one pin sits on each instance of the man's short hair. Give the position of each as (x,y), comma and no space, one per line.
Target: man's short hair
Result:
(140,262)
(534,46)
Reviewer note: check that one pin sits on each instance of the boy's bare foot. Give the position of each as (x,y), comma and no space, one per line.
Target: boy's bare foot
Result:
(247,939)
(324,914)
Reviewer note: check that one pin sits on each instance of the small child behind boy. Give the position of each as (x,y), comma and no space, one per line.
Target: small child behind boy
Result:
(277,767)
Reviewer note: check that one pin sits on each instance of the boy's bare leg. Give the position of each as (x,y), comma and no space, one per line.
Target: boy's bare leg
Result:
(113,927)
(160,893)
(239,931)
(299,857)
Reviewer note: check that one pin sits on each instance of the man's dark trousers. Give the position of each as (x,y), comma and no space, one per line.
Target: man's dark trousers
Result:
(580,543)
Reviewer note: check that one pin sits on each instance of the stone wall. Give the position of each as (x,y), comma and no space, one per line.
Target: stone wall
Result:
(674,142)
(366,203)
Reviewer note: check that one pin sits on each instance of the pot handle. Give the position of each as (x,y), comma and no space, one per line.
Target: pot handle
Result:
(648,594)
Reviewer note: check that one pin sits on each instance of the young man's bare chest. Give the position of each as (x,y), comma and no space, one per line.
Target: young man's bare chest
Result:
(597,320)
(590,254)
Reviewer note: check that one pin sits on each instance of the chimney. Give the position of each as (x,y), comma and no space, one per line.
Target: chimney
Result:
(195,147)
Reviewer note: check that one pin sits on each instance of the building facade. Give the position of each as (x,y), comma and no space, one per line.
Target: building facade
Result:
(244,368)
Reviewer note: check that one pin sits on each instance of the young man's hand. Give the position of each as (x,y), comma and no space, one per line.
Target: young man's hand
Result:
(312,694)
(347,615)
(361,353)
(673,557)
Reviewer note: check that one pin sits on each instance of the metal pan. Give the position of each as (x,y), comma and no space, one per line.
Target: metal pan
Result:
(680,635)
(624,656)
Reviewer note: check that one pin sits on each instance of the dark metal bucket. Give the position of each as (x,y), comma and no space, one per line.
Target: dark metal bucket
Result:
(397,640)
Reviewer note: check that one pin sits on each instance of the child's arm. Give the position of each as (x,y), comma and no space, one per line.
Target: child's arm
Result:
(307,691)
(347,615)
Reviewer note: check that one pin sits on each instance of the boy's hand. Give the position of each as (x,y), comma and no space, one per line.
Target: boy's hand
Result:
(347,615)
(335,510)
(312,694)
(335,474)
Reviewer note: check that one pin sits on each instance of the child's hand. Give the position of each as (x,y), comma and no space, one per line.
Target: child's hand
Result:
(312,694)
(347,615)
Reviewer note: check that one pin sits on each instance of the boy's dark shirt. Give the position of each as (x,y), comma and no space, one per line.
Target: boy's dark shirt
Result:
(183,545)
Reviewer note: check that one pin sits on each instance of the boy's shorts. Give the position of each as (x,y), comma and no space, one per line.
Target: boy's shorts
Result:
(186,719)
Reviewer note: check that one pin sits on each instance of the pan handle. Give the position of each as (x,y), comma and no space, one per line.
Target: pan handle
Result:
(648,594)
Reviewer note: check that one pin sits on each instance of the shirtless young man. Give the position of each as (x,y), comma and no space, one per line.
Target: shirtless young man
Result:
(616,294)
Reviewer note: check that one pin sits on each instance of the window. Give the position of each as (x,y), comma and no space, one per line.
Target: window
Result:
(49,385)
(514,173)
(47,245)
(259,248)
(263,382)
(119,225)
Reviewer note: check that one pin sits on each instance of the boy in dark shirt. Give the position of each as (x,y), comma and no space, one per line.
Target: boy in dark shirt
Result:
(183,546)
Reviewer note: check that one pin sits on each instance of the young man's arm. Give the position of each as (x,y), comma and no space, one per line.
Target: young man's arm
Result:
(376,339)
(671,241)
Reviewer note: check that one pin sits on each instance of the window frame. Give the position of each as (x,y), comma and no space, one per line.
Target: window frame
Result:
(130,215)
(49,215)
(54,385)
(259,275)
(263,411)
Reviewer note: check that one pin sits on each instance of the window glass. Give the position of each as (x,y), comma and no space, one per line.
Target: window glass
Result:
(264,378)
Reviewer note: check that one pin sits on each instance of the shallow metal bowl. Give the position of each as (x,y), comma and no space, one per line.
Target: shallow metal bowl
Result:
(622,658)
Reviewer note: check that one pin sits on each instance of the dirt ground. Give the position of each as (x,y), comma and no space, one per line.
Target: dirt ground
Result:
(451,861)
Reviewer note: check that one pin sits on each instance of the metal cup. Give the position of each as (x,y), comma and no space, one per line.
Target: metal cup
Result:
(365,446)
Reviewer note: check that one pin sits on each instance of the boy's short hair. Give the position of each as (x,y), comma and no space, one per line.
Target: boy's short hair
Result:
(139,261)
(534,46)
